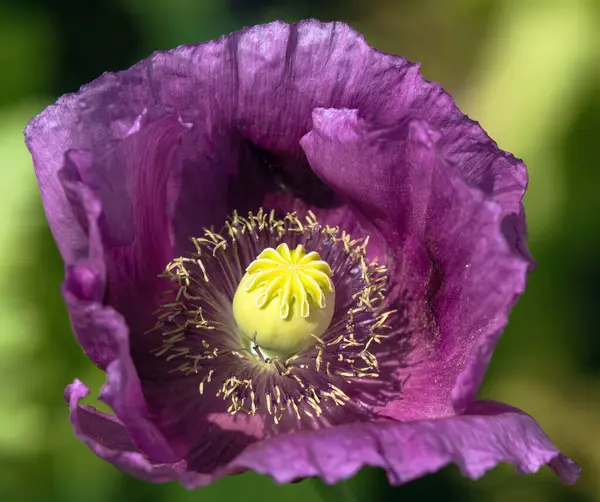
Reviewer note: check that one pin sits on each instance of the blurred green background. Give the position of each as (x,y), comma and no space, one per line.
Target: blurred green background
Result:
(527,70)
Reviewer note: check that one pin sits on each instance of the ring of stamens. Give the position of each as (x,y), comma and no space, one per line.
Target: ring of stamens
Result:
(200,337)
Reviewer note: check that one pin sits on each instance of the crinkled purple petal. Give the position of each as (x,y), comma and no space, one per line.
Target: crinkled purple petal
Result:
(300,67)
(128,165)
(476,442)
(102,331)
(108,438)
(233,91)
(449,259)
(123,390)
(85,278)
(95,119)
(488,434)
(132,182)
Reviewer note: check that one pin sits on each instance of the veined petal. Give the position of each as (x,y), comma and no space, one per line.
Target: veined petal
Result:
(488,434)
(450,258)
(108,438)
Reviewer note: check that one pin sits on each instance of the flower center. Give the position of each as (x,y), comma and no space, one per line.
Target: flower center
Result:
(284,302)
(276,316)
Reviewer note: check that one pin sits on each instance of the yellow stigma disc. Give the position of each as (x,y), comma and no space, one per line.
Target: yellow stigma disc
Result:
(285,300)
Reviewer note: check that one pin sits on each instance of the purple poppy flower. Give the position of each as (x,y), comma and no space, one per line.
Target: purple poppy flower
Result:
(291,254)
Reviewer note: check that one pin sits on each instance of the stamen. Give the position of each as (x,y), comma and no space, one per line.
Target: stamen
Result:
(296,266)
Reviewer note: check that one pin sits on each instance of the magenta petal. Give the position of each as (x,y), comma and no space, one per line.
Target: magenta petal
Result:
(104,333)
(451,262)
(108,438)
(121,200)
(489,434)
(84,283)
(476,442)
(94,119)
(135,184)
